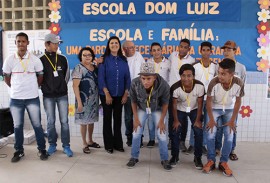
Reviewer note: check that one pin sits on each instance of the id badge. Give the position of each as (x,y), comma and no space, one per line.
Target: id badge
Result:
(188,109)
(148,110)
(55,73)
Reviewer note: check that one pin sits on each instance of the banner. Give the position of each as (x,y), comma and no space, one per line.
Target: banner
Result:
(141,10)
(168,33)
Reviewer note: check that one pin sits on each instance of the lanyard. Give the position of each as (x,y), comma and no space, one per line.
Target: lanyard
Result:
(54,67)
(225,96)
(157,67)
(26,64)
(206,73)
(149,97)
(187,96)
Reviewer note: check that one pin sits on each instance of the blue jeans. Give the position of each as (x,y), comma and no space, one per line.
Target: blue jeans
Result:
(17,108)
(128,118)
(198,133)
(151,128)
(219,138)
(136,141)
(221,118)
(191,138)
(62,105)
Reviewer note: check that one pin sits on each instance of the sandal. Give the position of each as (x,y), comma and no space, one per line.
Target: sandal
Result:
(233,157)
(86,150)
(94,145)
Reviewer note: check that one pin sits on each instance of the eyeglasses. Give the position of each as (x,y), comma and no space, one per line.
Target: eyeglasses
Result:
(88,55)
(130,48)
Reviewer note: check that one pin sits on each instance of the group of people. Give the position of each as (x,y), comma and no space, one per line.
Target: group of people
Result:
(177,89)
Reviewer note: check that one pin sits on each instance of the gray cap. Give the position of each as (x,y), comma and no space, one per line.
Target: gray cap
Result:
(147,69)
(52,38)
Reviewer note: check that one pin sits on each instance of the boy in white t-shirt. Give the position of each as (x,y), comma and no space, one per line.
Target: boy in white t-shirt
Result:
(187,99)
(162,67)
(223,103)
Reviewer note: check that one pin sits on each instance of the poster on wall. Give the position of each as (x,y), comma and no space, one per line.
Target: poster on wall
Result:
(36,41)
(90,23)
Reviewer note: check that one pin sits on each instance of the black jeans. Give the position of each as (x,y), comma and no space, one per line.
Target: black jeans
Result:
(112,138)
(128,119)
(198,134)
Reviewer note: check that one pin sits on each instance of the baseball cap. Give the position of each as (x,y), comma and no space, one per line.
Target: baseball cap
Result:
(52,38)
(229,44)
(147,69)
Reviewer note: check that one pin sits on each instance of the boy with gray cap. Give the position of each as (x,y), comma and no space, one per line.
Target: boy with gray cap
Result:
(150,95)
(55,92)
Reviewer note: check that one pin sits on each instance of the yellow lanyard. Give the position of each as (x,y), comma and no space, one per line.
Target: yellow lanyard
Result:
(179,63)
(149,97)
(157,67)
(26,64)
(187,96)
(206,73)
(226,95)
(54,67)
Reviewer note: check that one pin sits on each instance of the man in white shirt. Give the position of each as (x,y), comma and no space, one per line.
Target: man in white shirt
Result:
(229,51)
(23,74)
(135,60)
(177,59)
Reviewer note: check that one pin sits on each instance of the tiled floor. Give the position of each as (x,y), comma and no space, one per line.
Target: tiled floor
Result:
(100,167)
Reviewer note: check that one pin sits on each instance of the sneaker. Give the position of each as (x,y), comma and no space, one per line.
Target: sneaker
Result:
(173,161)
(43,154)
(217,152)
(166,165)
(198,163)
(151,144)
(170,145)
(17,156)
(52,149)
(204,150)
(141,146)
(183,147)
(132,162)
(209,166)
(129,142)
(68,151)
(190,150)
(223,166)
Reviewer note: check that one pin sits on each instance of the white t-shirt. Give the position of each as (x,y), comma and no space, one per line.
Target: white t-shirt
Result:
(23,82)
(205,75)
(176,63)
(162,68)
(134,64)
(183,97)
(222,97)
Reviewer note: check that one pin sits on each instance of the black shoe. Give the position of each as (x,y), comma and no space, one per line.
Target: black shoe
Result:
(17,156)
(129,142)
(141,146)
(110,151)
(120,149)
(190,150)
(166,165)
(182,146)
(43,155)
(198,163)
(204,150)
(151,144)
(132,162)
(173,161)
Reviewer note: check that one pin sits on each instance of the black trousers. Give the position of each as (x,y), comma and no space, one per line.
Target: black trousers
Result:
(112,136)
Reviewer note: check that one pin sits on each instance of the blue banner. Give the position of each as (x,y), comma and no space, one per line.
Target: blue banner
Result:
(168,34)
(155,10)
